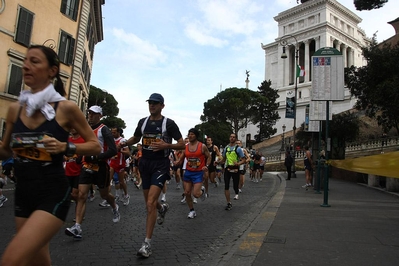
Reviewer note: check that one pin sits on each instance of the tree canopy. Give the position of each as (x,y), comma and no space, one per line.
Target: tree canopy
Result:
(265,113)
(109,105)
(376,85)
(232,109)
(233,105)
(369,4)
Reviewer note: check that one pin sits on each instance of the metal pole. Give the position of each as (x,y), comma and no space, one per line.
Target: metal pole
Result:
(284,43)
(295,104)
(326,168)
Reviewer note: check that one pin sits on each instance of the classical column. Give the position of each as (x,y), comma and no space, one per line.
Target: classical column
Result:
(345,57)
(307,65)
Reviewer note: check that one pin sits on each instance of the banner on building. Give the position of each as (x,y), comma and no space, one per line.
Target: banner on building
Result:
(290,104)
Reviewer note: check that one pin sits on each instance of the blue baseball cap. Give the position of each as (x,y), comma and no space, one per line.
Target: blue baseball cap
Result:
(156,97)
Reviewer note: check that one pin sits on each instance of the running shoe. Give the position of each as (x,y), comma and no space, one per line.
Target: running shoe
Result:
(104,204)
(178,186)
(137,184)
(203,195)
(239,190)
(195,200)
(163,199)
(183,199)
(305,186)
(75,231)
(117,216)
(145,250)
(229,206)
(236,197)
(126,200)
(3,199)
(216,184)
(91,197)
(162,212)
(191,215)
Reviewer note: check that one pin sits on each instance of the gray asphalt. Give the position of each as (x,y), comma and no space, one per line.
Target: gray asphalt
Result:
(275,222)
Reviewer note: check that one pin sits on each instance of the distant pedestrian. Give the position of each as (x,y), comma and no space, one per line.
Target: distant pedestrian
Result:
(288,164)
(308,163)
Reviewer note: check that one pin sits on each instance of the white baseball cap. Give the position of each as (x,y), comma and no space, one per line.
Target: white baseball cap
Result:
(96,109)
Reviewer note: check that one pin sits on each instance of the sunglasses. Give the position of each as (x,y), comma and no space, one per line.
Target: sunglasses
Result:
(153,102)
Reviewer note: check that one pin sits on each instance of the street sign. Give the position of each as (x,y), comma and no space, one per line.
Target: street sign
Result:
(327,75)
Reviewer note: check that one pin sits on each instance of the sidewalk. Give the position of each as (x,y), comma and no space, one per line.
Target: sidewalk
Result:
(361,226)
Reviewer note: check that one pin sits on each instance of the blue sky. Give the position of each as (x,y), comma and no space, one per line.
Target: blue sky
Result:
(189,50)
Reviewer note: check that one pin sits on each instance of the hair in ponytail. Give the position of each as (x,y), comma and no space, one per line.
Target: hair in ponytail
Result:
(53,60)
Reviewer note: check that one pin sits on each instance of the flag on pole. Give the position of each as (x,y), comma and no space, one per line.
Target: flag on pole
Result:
(300,71)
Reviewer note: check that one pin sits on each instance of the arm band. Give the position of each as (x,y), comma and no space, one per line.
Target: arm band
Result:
(70,149)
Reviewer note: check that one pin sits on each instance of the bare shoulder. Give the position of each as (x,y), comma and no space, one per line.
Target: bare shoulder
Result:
(13,111)
(68,106)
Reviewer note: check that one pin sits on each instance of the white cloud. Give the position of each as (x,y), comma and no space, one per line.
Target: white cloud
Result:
(134,49)
(198,34)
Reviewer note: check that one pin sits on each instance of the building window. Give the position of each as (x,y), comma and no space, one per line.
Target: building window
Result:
(2,127)
(24,27)
(70,8)
(15,80)
(67,47)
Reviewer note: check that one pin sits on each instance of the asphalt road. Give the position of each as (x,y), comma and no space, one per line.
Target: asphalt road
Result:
(206,240)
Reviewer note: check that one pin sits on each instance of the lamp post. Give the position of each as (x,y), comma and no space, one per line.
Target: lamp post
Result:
(285,43)
(283,140)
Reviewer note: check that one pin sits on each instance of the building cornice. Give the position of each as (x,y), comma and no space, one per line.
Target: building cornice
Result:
(311,6)
(98,18)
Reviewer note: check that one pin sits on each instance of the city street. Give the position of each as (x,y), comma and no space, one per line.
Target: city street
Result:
(206,240)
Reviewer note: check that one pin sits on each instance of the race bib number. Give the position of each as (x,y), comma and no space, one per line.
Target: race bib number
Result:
(29,145)
(148,139)
(193,162)
(93,167)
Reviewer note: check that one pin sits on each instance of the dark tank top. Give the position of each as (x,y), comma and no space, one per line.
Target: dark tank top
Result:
(24,141)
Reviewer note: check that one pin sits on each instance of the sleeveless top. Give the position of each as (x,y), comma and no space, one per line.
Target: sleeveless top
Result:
(195,159)
(26,143)
(71,167)
(118,159)
(212,153)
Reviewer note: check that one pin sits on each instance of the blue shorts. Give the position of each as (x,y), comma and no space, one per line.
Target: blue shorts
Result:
(193,177)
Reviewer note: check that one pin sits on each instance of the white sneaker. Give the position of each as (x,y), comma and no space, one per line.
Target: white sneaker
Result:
(145,250)
(239,190)
(191,215)
(236,197)
(203,195)
(195,200)
(126,200)
(163,199)
(183,199)
(116,215)
(104,204)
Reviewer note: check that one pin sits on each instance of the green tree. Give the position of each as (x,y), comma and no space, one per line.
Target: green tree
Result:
(265,113)
(369,4)
(376,85)
(104,99)
(233,105)
(218,131)
(109,105)
(113,121)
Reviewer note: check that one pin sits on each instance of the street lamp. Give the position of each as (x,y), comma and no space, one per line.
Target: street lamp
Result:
(283,140)
(284,43)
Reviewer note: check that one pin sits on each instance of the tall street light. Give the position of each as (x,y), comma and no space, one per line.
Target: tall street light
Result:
(283,140)
(285,43)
